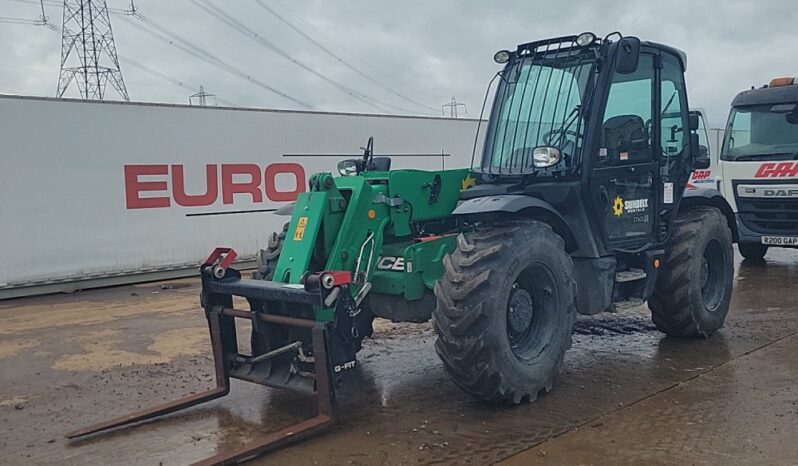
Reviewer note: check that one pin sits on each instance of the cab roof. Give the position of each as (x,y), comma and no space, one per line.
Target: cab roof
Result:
(557,45)
(672,50)
(767,95)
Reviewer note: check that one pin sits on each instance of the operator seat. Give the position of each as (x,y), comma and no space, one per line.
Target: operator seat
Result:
(626,141)
(380,164)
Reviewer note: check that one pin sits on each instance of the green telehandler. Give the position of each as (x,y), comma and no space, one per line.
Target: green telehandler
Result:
(577,203)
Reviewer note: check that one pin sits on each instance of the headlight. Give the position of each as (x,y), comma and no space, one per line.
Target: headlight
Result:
(502,56)
(586,38)
(543,157)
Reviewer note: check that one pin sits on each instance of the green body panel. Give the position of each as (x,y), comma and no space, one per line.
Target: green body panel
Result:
(299,242)
(369,216)
(423,266)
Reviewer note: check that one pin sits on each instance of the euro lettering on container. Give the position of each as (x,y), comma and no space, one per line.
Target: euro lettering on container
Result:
(160,193)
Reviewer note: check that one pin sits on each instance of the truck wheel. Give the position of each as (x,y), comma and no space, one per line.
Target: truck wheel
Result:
(693,289)
(505,310)
(754,252)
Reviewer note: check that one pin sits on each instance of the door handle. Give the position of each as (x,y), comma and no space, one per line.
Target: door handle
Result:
(604,199)
(630,184)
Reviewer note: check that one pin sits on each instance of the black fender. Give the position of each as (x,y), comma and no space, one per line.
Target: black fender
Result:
(523,207)
(710,196)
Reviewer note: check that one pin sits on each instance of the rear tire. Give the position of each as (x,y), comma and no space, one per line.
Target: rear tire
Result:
(753,252)
(505,310)
(694,285)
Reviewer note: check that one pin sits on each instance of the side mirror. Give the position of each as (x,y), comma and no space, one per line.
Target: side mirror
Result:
(628,55)
(702,161)
(348,167)
(695,151)
(694,121)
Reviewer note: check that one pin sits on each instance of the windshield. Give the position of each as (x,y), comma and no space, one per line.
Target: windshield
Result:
(538,103)
(762,132)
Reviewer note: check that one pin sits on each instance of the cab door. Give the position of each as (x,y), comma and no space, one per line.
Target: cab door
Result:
(674,135)
(624,185)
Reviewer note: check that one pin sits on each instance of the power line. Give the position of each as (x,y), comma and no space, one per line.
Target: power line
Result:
(208,57)
(161,32)
(121,59)
(26,21)
(349,52)
(44,19)
(248,32)
(173,39)
(172,80)
(337,57)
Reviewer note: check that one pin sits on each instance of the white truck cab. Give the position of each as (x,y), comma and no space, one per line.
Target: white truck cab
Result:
(756,169)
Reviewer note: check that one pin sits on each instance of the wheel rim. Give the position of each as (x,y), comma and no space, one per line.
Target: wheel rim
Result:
(519,312)
(531,312)
(711,275)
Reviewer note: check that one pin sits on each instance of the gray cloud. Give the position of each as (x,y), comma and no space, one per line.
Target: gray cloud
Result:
(426,50)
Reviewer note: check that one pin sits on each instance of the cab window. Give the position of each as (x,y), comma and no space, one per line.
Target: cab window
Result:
(625,136)
(673,137)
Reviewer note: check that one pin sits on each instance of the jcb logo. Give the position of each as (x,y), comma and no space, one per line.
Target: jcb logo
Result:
(391,263)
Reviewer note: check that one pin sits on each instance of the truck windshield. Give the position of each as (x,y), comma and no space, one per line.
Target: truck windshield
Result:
(762,132)
(539,102)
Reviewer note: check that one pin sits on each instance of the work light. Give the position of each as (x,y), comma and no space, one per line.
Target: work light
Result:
(584,39)
(502,56)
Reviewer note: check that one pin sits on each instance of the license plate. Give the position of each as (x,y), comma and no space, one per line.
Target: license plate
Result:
(780,240)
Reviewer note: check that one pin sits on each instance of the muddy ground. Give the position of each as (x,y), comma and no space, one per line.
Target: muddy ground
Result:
(627,394)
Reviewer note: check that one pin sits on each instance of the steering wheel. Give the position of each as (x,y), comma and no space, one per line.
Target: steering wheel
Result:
(647,129)
(568,132)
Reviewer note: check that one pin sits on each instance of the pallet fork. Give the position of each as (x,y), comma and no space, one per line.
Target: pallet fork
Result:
(219,284)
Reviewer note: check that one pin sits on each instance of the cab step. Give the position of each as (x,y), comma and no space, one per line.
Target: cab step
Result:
(630,275)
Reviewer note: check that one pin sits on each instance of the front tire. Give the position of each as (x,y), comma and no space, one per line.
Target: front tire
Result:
(753,252)
(505,310)
(274,336)
(694,286)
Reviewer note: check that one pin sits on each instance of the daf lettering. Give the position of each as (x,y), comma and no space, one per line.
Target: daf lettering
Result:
(781,192)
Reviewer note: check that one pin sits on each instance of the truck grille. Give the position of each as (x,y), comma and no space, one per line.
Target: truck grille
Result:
(770,216)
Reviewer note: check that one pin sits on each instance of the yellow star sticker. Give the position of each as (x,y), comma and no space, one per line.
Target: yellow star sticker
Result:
(617,208)
(468,182)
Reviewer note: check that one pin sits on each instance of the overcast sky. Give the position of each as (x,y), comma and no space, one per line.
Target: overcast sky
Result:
(421,52)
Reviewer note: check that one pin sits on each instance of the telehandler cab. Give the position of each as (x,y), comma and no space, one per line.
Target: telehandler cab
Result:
(576,203)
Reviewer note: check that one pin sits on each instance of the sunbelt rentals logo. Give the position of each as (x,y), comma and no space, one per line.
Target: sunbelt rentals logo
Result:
(633,206)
